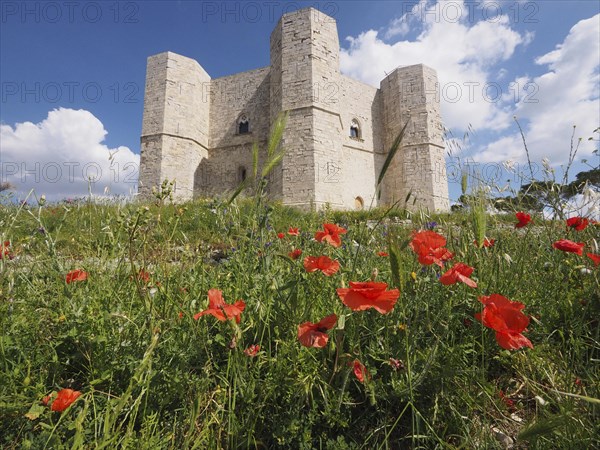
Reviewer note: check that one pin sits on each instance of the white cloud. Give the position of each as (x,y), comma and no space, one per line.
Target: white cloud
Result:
(566,95)
(59,157)
(473,56)
(398,27)
(401,25)
(465,52)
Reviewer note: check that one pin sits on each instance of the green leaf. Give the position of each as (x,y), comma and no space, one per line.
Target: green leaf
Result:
(542,428)
(341,322)
(272,163)
(35,411)
(254,160)
(276,134)
(238,190)
(392,152)
(395,267)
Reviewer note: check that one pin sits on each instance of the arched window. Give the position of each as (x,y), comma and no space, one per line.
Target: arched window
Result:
(355,129)
(243,124)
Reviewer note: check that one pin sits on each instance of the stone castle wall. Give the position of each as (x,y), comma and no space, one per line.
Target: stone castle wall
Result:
(176,123)
(230,153)
(190,131)
(360,160)
(417,173)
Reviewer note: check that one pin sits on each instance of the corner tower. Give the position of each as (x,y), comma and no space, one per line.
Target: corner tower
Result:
(411,94)
(175,126)
(304,74)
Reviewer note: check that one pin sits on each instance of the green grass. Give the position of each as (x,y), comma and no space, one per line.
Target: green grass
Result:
(152,377)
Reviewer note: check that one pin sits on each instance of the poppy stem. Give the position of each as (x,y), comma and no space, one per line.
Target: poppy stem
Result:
(339,338)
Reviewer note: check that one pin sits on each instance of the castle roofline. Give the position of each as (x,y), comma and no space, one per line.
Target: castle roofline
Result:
(354,80)
(420,66)
(175,56)
(314,13)
(304,10)
(402,67)
(240,73)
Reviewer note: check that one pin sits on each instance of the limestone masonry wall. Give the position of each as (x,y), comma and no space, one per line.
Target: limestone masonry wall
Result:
(243,93)
(230,153)
(360,160)
(409,96)
(338,133)
(176,123)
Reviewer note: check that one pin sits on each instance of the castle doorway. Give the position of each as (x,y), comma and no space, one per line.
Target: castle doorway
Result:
(359,203)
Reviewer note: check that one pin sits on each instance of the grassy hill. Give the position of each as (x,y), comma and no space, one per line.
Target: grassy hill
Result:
(152,374)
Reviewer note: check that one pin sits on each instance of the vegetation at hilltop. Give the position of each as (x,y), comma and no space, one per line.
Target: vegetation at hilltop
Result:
(151,375)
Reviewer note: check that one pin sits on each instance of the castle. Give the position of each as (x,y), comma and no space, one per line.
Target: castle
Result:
(199,131)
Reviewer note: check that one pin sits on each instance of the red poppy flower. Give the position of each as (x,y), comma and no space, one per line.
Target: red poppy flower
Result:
(46,399)
(315,334)
(295,254)
(331,234)
(436,256)
(5,250)
(523,219)
(64,399)
(506,319)
(252,351)
(424,241)
(143,276)
(458,272)
(360,371)
(322,263)
(578,223)
(429,246)
(76,275)
(293,231)
(593,257)
(569,246)
(370,294)
(221,310)
(383,254)
(486,242)
(507,401)
(280,235)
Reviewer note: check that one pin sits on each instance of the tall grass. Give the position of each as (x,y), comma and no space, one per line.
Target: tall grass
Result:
(153,377)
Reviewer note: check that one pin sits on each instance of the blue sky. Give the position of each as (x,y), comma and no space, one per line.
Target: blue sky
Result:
(538,60)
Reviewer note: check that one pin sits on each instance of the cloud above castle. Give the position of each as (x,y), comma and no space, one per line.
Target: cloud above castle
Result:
(471,57)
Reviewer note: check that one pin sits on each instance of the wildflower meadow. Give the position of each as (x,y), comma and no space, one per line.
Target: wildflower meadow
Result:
(241,323)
